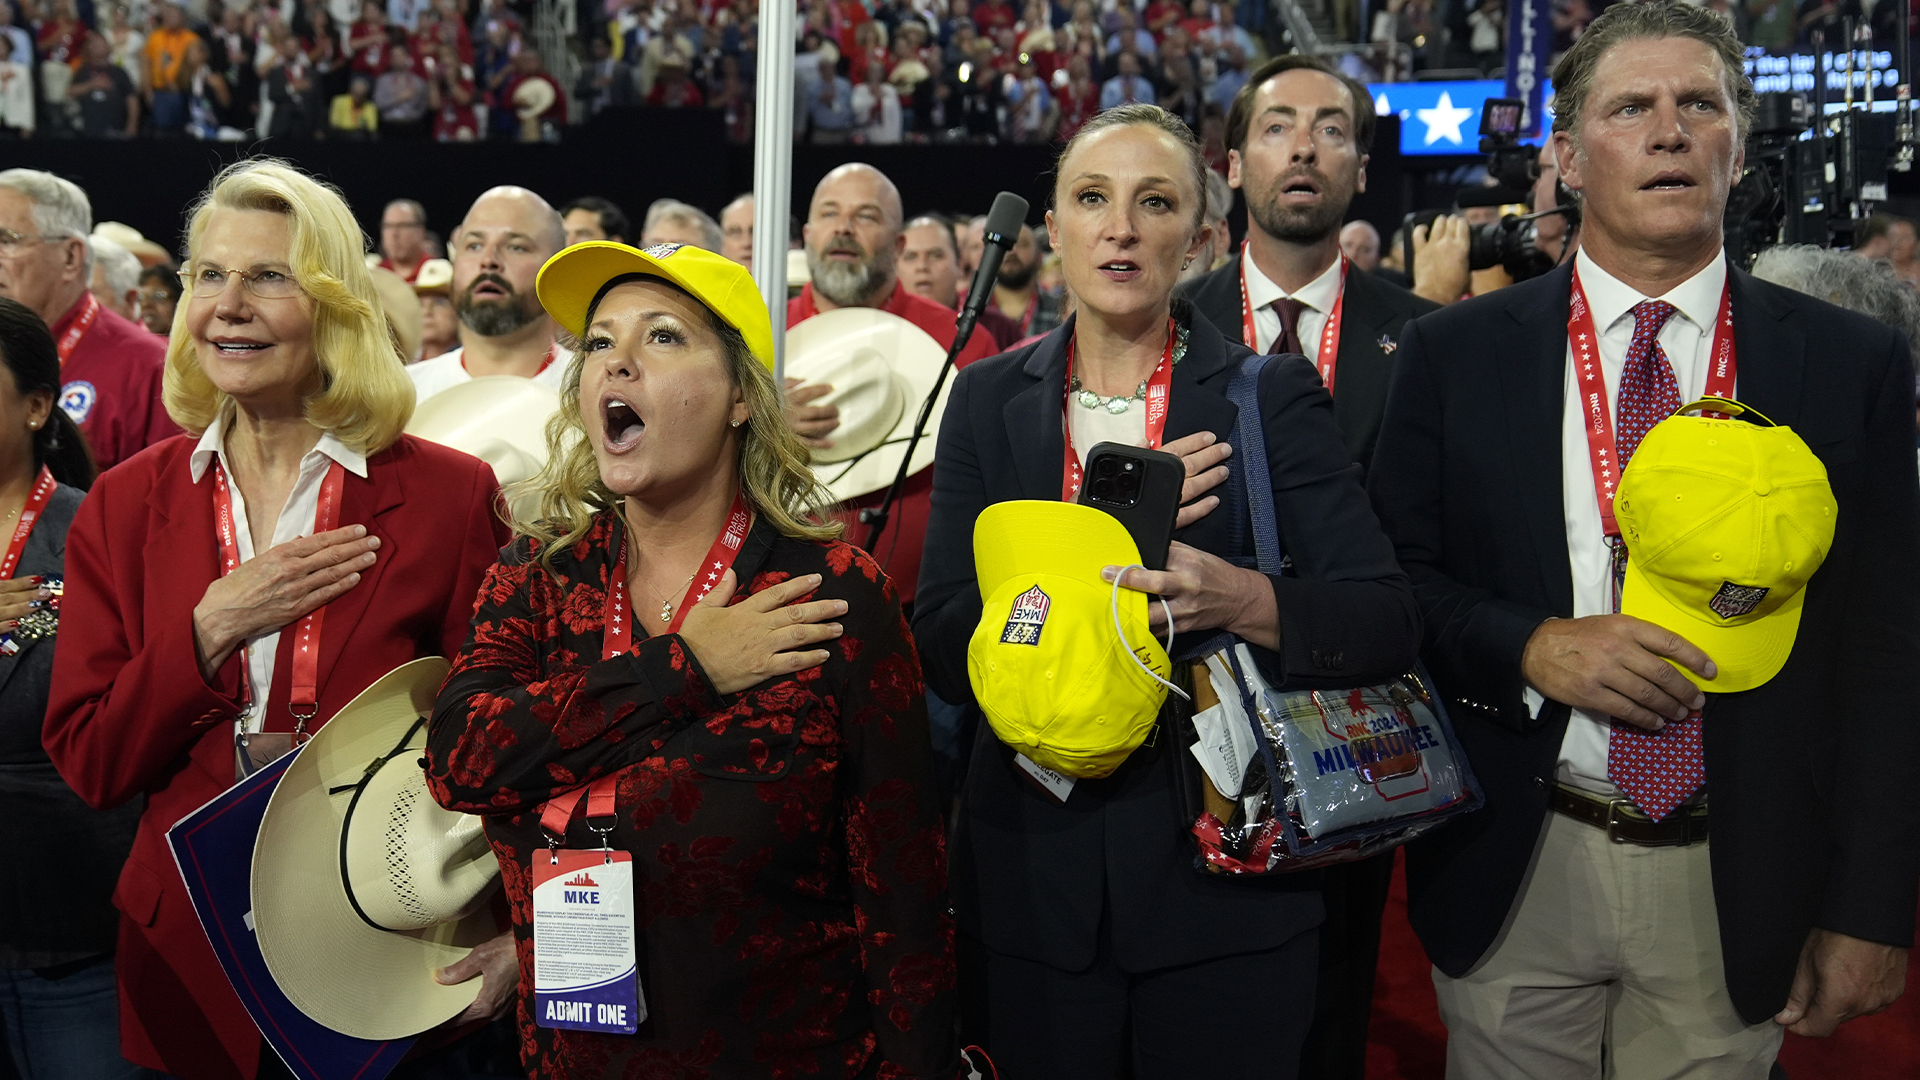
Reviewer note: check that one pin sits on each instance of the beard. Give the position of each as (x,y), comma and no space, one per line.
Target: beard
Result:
(850,284)
(496,318)
(1304,226)
(1016,273)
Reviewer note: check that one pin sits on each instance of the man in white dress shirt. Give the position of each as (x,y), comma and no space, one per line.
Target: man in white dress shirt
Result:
(508,234)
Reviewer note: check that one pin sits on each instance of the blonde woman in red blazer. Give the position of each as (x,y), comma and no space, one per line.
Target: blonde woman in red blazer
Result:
(281,366)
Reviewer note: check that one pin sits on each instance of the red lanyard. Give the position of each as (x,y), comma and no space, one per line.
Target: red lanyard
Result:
(304,700)
(43,486)
(1159,392)
(618,631)
(1593,388)
(1329,334)
(89,310)
(619,615)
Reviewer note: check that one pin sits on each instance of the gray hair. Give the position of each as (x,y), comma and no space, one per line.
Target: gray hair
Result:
(1867,286)
(118,264)
(684,214)
(1219,197)
(60,208)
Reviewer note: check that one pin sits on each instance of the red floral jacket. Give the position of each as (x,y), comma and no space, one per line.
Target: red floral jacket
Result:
(789,857)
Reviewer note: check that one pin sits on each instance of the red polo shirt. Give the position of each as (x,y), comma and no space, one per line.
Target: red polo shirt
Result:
(110,386)
(405,275)
(906,533)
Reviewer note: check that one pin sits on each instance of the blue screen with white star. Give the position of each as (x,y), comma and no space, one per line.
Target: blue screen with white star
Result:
(1440,117)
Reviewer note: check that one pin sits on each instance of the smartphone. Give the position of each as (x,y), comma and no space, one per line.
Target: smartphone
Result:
(1141,488)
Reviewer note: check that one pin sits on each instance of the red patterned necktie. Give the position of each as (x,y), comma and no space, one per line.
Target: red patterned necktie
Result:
(1658,770)
(1289,311)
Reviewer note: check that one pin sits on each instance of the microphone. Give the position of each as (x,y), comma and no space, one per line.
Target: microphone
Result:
(1004,222)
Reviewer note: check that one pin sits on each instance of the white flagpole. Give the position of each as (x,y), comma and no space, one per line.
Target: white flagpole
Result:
(773,166)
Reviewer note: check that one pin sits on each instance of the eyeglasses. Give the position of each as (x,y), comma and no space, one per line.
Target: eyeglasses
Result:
(11,242)
(403,225)
(210,281)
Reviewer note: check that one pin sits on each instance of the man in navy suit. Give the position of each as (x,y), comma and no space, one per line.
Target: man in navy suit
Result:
(1578,923)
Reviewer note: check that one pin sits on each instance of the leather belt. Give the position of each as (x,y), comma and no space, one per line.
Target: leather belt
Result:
(1625,824)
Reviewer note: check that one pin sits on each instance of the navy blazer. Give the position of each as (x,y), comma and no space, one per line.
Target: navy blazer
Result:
(1034,878)
(1810,774)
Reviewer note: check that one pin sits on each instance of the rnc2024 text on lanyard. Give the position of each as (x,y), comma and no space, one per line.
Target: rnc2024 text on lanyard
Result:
(1601,448)
(586,974)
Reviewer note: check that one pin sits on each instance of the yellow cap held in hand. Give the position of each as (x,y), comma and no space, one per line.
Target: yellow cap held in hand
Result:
(1053,675)
(1725,522)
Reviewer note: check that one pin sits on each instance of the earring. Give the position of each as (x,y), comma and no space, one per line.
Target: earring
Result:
(735,423)
(1186,264)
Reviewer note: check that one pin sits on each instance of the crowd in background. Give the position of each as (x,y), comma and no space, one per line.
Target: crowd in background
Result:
(866,71)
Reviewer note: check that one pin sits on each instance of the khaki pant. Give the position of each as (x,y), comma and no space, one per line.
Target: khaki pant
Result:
(1610,968)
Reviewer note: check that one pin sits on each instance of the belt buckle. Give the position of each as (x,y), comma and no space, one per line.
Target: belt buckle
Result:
(1614,817)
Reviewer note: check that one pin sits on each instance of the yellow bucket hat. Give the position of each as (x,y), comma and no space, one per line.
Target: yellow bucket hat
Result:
(1053,661)
(1725,522)
(570,282)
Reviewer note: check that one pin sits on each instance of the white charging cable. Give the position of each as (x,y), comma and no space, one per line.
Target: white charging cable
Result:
(1113,604)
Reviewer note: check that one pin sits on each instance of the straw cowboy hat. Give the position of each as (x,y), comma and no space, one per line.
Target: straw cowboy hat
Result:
(500,419)
(362,884)
(881,368)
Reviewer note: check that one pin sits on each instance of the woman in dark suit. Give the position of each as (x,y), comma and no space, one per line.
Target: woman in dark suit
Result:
(56,920)
(1086,918)
(194,566)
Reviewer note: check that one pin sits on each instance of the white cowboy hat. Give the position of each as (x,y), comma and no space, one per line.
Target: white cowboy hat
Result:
(402,307)
(362,884)
(500,419)
(532,98)
(881,368)
(435,276)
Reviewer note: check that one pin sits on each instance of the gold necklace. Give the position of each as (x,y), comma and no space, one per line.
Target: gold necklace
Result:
(666,608)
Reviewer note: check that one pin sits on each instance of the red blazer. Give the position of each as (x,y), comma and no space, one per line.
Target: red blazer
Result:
(130,715)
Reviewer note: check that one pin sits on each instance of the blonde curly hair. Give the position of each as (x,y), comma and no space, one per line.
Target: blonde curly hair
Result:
(774,464)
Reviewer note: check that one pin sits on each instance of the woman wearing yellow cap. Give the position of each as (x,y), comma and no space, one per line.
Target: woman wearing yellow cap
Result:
(1094,938)
(680,634)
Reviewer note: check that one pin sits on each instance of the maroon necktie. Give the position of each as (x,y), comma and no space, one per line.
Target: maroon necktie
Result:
(1658,770)
(1289,311)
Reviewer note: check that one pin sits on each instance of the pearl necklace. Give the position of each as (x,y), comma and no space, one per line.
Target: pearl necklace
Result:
(1120,403)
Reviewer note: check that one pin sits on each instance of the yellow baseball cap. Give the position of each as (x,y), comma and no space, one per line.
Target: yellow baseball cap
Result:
(1725,521)
(570,282)
(1048,665)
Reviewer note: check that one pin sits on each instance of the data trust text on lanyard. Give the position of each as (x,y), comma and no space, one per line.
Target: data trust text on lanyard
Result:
(43,486)
(1329,334)
(89,311)
(1594,401)
(303,700)
(584,926)
(1159,393)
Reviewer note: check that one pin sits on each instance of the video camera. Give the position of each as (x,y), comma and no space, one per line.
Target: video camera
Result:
(1511,243)
(1810,176)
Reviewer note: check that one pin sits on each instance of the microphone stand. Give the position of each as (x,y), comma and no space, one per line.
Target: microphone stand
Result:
(875,518)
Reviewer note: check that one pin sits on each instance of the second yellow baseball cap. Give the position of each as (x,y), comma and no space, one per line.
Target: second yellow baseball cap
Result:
(1058,680)
(570,282)
(1725,522)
